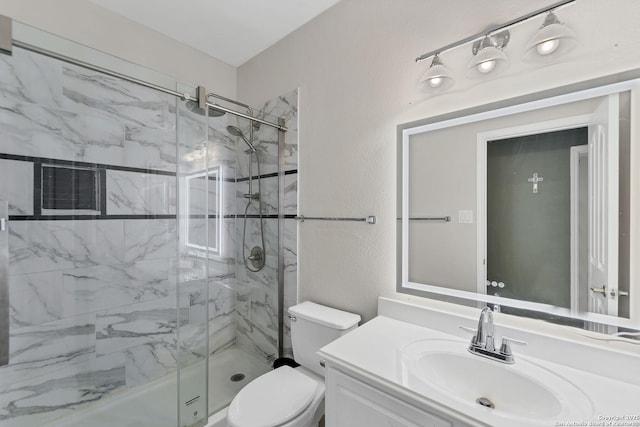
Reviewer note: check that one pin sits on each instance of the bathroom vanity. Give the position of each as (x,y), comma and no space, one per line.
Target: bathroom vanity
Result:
(410,367)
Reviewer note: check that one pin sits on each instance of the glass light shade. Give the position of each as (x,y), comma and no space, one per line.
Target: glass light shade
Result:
(486,66)
(488,60)
(436,79)
(550,42)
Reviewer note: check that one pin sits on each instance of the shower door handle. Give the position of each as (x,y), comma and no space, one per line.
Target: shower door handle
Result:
(4,284)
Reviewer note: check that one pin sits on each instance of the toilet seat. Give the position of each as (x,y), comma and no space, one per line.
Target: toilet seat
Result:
(272,399)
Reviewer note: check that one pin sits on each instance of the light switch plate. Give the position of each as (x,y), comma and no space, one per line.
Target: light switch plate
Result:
(465,217)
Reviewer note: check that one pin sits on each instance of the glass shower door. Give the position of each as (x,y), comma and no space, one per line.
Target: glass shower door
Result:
(90,169)
(194,249)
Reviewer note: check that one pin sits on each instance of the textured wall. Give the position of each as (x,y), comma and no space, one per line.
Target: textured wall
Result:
(354,66)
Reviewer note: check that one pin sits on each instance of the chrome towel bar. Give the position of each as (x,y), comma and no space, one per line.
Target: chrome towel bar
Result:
(431,218)
(369,220)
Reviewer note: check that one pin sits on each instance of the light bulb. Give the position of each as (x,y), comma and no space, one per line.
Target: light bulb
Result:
(548,47)
(435,81)
(487,66)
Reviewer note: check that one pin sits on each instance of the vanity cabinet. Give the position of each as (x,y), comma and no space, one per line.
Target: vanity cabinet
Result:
(352,403)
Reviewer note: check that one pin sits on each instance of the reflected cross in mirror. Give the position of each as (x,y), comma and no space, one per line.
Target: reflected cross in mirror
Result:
(535,180)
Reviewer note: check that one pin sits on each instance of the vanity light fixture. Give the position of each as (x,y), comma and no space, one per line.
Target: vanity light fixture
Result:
(488,56)
(553,39)
(437,78)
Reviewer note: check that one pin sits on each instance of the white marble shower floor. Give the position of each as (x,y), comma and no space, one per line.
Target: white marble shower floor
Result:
(154,405)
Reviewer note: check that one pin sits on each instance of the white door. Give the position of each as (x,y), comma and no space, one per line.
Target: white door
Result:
(579,177)
(603,208)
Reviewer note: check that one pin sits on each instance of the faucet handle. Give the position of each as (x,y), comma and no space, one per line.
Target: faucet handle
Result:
(476,339)
(505,348)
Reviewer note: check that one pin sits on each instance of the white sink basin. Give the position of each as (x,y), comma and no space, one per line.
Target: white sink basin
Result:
(522,391)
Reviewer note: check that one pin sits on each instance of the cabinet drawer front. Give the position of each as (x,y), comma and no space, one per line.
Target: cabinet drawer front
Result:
(351,403)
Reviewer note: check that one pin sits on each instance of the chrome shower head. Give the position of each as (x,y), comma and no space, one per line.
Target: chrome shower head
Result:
(236,131)
(213,112)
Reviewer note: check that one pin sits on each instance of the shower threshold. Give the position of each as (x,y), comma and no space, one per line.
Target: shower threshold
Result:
(154,404)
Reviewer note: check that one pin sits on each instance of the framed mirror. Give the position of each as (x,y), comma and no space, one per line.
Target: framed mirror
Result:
(529,205)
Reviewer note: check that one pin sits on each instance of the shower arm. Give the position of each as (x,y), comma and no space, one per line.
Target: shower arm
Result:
(241,104)
(250,142)
(233,101)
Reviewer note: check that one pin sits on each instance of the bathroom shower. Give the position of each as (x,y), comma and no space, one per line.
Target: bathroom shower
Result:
(256,259)
(137,196)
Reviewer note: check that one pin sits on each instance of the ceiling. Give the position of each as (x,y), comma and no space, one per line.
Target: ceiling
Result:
(233,31)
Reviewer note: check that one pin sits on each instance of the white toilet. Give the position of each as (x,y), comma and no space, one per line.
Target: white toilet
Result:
(288,397)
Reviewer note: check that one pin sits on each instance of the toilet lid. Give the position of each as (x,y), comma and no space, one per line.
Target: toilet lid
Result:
(272,399)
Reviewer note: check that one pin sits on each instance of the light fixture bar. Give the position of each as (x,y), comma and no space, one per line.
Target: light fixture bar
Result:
(494,29)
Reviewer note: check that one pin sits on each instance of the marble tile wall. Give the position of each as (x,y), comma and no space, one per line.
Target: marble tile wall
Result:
(257,292)
(93,305)
(19,194)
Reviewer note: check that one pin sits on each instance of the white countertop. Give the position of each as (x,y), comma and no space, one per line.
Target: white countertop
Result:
(372,353)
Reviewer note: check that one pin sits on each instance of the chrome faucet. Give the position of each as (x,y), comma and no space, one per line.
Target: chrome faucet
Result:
(483,342)
(484,333)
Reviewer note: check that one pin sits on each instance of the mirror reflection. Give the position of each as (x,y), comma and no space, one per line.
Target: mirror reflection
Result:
(528,206)
(204,189)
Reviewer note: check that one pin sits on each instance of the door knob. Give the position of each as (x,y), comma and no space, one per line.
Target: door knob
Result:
(602,290)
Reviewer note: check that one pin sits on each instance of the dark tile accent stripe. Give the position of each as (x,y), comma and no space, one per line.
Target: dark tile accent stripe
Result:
(268,175)
(103,191)
(39,160)
(83,164)
(103,217)
(37,188)
(84,217)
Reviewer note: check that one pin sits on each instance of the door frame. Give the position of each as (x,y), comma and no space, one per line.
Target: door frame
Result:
(483,138)
(575,153)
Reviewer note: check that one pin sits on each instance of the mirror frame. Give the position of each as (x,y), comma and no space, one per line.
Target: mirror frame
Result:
(566,94)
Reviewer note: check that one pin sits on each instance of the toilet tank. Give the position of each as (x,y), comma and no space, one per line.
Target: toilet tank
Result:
(313,326)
